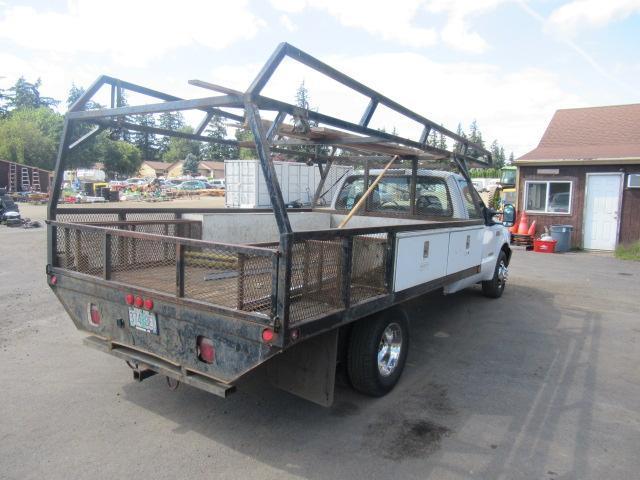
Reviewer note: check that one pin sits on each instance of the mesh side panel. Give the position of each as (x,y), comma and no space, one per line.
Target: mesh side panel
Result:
(336,174)
(144,263)
(368,270)
(80,251)
(315,279)
(227,278)
(151,216)
(82,217)
(182,230)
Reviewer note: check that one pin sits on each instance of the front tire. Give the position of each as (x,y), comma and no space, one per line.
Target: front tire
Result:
(495,287)
(377,352)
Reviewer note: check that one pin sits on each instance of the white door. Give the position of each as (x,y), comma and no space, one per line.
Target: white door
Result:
(601,211)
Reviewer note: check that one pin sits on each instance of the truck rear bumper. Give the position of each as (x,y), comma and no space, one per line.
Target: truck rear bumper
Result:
(148,361)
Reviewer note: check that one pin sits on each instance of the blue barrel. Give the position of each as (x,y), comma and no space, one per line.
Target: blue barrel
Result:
(562,234)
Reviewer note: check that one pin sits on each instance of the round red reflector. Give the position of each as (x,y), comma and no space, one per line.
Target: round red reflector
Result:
(148,304)
(129,298)
(138,302)
(53,279)
(267,335)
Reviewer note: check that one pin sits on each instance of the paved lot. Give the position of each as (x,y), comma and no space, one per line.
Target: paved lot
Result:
(541,384)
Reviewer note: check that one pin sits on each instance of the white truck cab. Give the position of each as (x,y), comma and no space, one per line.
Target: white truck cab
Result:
(427,255)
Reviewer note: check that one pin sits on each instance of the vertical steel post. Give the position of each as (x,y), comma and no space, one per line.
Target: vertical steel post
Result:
(345,274)
(270,177)
(412,186)
(106,252)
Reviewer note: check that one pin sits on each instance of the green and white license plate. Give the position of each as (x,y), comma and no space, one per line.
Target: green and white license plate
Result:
(143,320)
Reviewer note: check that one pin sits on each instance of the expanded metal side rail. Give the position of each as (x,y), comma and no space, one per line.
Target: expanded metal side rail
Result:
(233,277)
(328,272)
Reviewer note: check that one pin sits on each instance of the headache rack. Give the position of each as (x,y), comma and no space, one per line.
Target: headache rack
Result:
(332,274)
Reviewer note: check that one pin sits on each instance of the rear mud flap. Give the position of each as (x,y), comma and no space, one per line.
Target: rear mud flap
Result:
(308,369)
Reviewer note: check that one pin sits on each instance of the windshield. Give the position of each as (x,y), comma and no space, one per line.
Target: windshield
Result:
(508,177)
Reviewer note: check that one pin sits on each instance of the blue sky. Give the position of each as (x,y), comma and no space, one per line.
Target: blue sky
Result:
(509,64)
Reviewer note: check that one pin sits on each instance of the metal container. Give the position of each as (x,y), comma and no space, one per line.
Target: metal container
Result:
(562,235)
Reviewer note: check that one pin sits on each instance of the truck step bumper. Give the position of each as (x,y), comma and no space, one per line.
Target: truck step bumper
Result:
(158,365)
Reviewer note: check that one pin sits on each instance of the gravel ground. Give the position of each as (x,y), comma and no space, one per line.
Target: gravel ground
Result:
(541,384)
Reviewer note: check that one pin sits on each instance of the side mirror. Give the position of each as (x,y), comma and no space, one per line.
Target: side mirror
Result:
(508,215)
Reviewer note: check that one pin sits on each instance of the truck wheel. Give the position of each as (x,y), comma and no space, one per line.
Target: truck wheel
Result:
(377,352)
(493,288)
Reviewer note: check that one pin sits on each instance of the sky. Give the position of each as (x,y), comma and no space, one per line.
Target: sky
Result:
(508,64)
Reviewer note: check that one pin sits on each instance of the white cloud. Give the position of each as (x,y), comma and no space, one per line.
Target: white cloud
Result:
(286,22)
(457,31)
(396,21)
(131,32)
(579,14)
(513,107)
(392,21)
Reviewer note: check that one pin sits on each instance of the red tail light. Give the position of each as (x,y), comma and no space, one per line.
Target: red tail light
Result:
(53,280)
(206,352)
(94,314)
(148,304)
(267,335)
(138,302)
(129,298)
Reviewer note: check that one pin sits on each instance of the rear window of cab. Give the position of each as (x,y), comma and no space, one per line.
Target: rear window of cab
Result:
(392,195)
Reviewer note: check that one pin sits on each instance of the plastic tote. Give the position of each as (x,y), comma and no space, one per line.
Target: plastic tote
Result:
(544,246)
(562,235)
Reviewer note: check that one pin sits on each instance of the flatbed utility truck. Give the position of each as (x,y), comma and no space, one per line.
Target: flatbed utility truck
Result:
(205,296)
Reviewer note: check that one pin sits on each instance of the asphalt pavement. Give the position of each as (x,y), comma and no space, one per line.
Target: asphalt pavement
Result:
(543,383)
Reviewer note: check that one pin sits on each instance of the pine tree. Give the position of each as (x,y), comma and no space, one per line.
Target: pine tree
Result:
(146,142)
(27,95)
(190,165)
(168,121)
(217,151)
(510,162)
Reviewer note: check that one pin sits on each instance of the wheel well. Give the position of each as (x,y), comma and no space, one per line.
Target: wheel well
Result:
(507,251)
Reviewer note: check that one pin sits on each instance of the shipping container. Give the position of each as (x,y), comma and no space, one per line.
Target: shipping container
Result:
(246,186)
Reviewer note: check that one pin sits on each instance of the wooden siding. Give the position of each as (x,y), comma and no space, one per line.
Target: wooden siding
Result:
(45,175)
(630,211)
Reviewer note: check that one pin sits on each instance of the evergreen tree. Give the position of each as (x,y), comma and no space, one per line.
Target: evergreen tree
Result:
(442,142)
(168,121)
(27,95)
(475,135)
(217,151)
(510,162)
(190,165)
(146,142)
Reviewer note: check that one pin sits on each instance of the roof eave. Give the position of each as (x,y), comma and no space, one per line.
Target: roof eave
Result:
(578,161)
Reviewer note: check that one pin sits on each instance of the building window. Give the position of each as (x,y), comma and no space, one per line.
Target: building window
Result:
(548,197)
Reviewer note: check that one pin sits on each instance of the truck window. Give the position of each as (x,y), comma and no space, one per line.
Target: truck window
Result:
(469,203)
(432,197)
(392,194)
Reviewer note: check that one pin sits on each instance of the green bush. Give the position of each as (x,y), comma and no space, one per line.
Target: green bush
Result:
(630,251)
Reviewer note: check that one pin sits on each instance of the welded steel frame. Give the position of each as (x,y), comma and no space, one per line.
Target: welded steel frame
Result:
(266,141)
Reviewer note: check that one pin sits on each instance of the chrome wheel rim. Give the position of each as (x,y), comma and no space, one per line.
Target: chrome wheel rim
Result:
(503,273)
(389,349)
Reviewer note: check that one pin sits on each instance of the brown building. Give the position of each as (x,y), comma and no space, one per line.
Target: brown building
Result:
(586,173)
(16,177)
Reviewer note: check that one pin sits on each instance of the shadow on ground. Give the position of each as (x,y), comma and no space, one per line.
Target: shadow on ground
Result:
(491,380)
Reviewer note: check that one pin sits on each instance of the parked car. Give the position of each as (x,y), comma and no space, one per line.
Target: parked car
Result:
(136,181)
(217,183)
(172,183)
(192,185)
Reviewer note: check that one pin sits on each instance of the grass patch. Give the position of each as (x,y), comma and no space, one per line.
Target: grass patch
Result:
(630,251)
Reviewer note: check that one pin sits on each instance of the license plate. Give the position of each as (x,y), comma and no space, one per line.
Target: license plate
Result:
(143,320)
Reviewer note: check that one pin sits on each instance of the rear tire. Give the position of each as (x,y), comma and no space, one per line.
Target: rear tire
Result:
(495,287)
(377,352)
